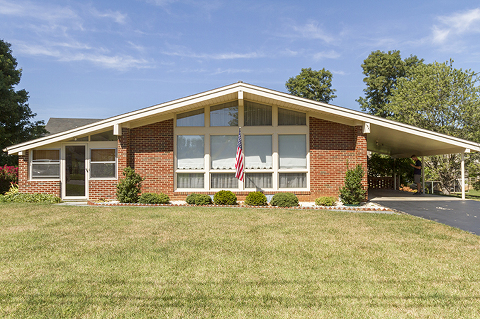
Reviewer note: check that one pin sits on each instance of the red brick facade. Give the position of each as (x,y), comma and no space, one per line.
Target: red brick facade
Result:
(332,145)
(28,186)
(150,151)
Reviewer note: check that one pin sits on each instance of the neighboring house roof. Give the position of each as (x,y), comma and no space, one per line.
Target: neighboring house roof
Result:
(56,125)
(385,136)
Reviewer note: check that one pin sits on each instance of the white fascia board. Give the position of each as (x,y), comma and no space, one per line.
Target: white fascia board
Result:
(123,118)
(362,117)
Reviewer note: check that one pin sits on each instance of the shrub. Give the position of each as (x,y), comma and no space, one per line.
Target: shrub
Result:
(13,196)
(325,201)
(225,198)
(476,185)
(129,187)
(198,199)
(256,199)
(284,200)
(152,198)
(353,193)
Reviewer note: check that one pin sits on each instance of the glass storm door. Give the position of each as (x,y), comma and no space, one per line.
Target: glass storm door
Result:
(75,171)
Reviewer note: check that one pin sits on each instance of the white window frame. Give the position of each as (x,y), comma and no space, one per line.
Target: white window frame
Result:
(102,162)
(274,130)
(31,163)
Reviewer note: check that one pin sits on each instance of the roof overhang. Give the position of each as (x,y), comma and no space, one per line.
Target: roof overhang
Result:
(384,136)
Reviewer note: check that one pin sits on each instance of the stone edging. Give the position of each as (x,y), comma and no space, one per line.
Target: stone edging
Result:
(333,208)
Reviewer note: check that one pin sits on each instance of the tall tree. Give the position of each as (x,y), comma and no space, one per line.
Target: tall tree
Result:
(15,114)
(382,72)
(311,84)
(443,99)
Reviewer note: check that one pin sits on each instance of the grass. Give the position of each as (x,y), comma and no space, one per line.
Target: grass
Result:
(189,262)
(471,194)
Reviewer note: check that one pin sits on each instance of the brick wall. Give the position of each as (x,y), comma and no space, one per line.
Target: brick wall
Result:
(151,155)
(331,146)
(26,186)
(105,189)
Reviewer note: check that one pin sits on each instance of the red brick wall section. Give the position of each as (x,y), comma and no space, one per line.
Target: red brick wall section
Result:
(26,186)
(102,189)
(331,146)
(151,149)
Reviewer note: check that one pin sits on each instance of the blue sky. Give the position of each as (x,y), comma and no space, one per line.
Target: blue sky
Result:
(96,59)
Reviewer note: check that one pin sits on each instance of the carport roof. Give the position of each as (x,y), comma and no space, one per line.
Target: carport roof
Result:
(385,136)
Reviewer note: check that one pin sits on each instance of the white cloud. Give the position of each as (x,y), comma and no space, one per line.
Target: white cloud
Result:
(63,52)
(311,30)
(457,24)
(326,55)
(51,14)
(183,52)
(116,16)
(231,71)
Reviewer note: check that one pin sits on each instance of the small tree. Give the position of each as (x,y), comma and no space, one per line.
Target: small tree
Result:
(352,193)
(129,187)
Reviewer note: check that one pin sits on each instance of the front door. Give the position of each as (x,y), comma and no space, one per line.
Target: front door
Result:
(75,181)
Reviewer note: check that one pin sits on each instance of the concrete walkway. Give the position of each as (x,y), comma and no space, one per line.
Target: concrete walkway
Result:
(455,212)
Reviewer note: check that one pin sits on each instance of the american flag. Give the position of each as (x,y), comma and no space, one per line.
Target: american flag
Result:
(239,170)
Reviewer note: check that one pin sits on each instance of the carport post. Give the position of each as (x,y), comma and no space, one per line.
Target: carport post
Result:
(423,174)
(463,175)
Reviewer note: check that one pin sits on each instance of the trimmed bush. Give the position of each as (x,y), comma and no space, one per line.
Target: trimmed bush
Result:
(198,199)
(225,198)
(325,201)
(129,187)
(353,193)
(152,198)
(256,199)
(284,200)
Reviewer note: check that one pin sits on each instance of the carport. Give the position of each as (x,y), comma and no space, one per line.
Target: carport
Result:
(400,140)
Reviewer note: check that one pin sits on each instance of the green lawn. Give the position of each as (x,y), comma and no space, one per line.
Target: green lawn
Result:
(189,262)
(471,194)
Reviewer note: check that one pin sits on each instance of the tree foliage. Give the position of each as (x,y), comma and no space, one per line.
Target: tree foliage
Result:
(311,84)
(443,99)
(439,98)
(382,71)
(15,114)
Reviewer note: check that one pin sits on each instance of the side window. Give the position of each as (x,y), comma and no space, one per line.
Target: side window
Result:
(45,164)
(103,163)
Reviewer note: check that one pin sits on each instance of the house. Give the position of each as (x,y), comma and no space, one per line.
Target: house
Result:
(189,145)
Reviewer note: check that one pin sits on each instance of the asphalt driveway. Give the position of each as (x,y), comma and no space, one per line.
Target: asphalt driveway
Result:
(463,214)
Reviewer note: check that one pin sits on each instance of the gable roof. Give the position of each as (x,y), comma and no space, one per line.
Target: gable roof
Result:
(386,136)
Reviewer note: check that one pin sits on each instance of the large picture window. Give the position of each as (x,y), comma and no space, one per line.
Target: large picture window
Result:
(223,149)
(103,163)
(258,151)
(45,164)
(292,151)
(274,140)
(190,152)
